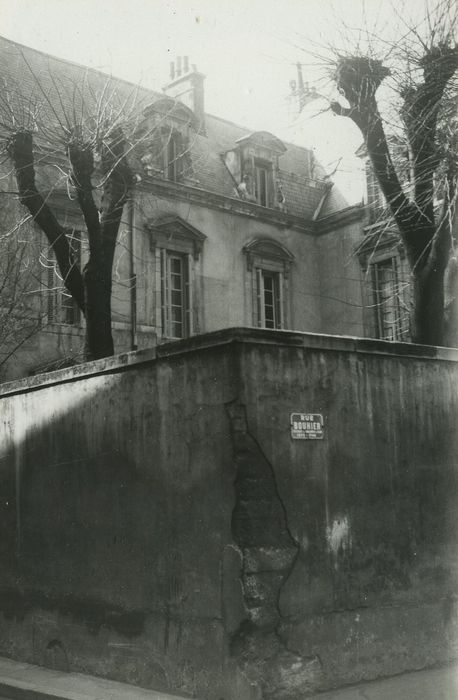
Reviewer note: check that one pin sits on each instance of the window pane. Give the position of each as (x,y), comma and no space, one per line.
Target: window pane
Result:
(263,184)
(387,300)
(175,296)
(61,307)
(171,159)
(268,282)
(271,299)
(176,265)
(177,314)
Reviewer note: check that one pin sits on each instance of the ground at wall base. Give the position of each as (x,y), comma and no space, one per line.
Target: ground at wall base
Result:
(25,681)
(430,684)
(20,680)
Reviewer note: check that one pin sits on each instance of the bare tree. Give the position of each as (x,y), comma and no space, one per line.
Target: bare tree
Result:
(20,318)
(422,72)
(92,137)
(85,135)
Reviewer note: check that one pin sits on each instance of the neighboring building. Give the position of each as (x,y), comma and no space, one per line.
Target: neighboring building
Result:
(384,265)
(387,290)
(225,227)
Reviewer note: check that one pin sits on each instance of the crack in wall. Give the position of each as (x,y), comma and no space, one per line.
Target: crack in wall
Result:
(268,555)
(259,525)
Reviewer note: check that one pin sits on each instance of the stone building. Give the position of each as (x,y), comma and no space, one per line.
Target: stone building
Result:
(225,227)
(384,265)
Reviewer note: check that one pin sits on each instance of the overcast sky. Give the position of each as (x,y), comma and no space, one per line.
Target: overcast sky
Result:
(246,48)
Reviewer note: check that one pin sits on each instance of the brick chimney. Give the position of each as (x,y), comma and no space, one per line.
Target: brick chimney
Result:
(187,86)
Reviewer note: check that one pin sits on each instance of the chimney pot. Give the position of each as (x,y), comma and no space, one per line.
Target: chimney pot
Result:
(187,87)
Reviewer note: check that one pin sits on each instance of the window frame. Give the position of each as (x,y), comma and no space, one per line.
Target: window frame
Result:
(61,308)
(259,152)
(382,243)
(171,237)
(173,157)
(396,330)
(268,258)
(167,153)
(167,304)
(262,274)
(264,198)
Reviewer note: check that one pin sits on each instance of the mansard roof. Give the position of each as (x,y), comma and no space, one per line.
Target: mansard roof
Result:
(171,108)
(62,88)
(264,139)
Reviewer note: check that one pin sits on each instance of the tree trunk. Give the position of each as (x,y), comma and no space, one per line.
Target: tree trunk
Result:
(102,229)
(97,291)
(427,315)
(427,243)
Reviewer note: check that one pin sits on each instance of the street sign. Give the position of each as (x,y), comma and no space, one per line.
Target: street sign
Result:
(307,426)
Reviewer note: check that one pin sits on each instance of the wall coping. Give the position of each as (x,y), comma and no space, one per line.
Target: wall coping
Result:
(228,336)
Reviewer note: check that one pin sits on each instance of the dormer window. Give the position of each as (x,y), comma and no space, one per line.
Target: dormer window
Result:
(165,138)
(174,157)
(254,165)
(263,183)
(167,155)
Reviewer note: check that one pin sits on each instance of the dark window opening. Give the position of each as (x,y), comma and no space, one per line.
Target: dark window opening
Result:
(263,184)
(61,307)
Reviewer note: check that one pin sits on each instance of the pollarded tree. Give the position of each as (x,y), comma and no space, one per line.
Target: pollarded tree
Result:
(71,131)
(425,86)
(89,131)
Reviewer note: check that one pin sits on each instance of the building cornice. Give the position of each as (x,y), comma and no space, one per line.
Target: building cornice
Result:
(196,195)
(340,218)
(199,196)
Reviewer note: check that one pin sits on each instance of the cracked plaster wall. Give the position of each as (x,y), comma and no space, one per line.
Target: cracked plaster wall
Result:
(371,507)
(160,525)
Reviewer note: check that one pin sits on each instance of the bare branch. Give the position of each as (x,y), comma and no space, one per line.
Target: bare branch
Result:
(20,149)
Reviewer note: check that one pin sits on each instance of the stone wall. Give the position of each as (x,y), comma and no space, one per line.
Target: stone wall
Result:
(161,526)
